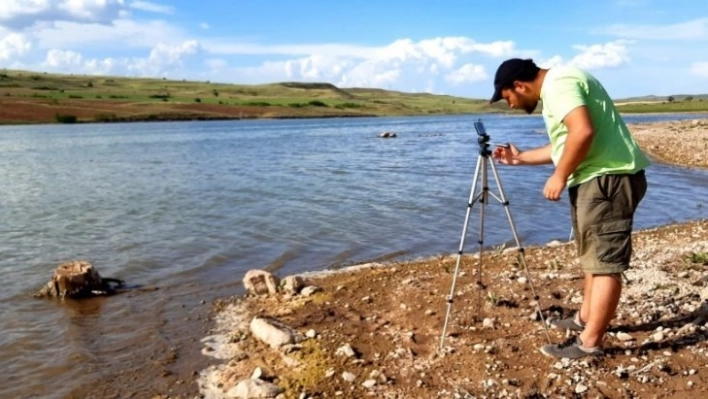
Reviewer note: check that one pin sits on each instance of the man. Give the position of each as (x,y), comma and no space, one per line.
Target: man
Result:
(596,157)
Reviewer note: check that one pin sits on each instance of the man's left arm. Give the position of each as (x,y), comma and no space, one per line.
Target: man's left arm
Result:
(577,145)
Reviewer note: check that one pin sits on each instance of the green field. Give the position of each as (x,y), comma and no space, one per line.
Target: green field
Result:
(32,97)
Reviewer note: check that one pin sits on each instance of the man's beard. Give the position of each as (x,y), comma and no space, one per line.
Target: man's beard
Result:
(530,107)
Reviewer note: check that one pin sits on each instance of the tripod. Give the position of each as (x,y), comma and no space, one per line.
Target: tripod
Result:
(483,198)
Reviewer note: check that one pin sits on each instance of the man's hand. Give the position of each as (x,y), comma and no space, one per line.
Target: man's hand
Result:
(507,156)
(554,187)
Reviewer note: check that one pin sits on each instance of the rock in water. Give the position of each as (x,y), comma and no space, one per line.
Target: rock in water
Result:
(76,279)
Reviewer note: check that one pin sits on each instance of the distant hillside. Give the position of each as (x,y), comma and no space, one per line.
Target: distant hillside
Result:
(33,97)
(653,98)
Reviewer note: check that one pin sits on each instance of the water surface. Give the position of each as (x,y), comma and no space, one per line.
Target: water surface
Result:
(188,207)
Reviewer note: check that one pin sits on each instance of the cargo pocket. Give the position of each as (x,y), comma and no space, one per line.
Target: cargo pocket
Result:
(614,241)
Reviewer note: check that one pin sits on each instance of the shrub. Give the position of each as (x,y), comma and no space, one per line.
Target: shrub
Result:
(160,96)
(350,105)
(257,103)
(317,103)
(105,117)
(75,96)
(65,118)
(296,105)
(197,100)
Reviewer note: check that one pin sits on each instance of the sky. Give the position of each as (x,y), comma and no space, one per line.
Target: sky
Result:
(635,47)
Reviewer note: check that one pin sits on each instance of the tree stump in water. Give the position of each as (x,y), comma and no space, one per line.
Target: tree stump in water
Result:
(77,279)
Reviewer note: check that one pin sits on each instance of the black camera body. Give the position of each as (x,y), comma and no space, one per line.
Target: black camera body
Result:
(482,139)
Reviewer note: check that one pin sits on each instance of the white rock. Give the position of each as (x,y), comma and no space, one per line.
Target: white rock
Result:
(260,282)
(349,377)
(488,323)
(658,336)
(368,384)
(310,290)
(624,337)
(522,280)
(345,350)
(311,333)
(250,388)
(272,332)
(580,388)
(293,284)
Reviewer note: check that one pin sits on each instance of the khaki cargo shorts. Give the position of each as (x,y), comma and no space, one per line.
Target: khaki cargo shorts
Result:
(602,212)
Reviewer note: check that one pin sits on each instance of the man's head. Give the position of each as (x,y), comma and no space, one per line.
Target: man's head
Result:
(515,82)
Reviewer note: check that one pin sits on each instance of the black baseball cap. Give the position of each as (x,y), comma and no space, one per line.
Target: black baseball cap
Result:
(510,71)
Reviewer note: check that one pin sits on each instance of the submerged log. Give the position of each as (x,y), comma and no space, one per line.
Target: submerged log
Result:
(78,279)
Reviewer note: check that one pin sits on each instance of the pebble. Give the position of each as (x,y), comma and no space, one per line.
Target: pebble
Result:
(349,377)
(368,384)
(658,336)
(580,388)
(311,333)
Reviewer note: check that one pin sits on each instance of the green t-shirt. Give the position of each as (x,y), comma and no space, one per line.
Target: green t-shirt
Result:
(613,148)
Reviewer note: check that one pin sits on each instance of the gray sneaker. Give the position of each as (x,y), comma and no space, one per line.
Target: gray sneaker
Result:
(569,323)
(570,349)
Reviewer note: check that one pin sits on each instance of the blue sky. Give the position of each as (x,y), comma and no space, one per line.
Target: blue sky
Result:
(635,47)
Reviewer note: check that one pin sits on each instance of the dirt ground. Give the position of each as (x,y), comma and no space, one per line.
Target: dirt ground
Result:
(683,143)
(392,317)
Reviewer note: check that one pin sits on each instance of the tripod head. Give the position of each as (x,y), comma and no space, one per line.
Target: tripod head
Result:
(482,139)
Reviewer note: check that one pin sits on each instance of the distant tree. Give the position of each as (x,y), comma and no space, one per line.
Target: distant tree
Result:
(216,93)
(197,100)
(89,84)
(671,99)
(689,98)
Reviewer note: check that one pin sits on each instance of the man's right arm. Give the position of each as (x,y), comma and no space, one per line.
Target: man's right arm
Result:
(536,156)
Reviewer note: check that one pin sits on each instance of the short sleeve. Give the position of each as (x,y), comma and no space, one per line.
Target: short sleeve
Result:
(567,93)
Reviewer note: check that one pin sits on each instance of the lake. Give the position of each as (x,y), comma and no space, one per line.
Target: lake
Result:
(182,210)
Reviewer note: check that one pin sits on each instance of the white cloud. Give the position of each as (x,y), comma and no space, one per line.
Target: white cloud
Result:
(63,58)
(468,73)
(700,69)
(20,14)
(13,46)
(606,55)
(164,54)
(121,34)
(596,56)
(204,25)
(151,7)
(690,30)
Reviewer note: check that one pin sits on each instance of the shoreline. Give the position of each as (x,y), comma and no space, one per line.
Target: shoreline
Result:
(187,117)
(373,329)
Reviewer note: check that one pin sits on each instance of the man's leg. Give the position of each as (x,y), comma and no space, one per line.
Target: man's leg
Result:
(604,298)
(587,297)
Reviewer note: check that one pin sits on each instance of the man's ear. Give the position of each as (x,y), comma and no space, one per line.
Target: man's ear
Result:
(520,86)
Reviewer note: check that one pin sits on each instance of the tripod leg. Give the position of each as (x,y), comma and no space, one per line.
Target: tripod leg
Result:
(470,202)
(521,249)
(484,199)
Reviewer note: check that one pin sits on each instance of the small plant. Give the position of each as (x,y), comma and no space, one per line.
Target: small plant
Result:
(317,103)
(492,298)
(197,100)
(257,103)
(698,259)
(555,265)
(65,118)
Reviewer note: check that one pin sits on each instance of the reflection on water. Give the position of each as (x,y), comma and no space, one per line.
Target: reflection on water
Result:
(189,207)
